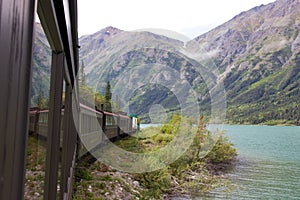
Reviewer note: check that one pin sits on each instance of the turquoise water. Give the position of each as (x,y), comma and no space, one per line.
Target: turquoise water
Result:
(149,125)
(269,162)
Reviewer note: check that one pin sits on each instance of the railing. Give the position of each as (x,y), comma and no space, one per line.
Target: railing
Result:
(59,21)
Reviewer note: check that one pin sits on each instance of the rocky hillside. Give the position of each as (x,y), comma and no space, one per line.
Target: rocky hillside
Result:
(143,68)
(258,53)
(40,65)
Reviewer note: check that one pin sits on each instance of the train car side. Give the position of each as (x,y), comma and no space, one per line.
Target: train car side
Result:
(90,129)
(95,127)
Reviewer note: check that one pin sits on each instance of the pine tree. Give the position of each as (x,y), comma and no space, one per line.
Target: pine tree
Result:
(82,75)
(107,97)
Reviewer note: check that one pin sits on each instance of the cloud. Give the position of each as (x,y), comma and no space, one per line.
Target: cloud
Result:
(180,16)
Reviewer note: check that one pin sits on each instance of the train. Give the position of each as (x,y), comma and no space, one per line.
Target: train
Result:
(95,127)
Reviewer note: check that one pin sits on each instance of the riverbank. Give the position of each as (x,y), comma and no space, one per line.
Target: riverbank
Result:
(98,181)
(189,175)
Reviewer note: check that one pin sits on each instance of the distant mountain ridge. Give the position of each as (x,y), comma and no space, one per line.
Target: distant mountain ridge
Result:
(263,29)
(257,54)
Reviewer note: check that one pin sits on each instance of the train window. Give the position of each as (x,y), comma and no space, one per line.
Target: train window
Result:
(110,120)
(36,146)
(43,117)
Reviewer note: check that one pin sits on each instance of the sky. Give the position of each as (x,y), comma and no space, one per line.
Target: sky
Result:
(188,17)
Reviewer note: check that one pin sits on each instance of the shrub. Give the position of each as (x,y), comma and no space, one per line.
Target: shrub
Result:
(190,172)
(222,151)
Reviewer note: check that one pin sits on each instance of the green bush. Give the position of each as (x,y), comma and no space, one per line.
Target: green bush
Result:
(222,151)
(156,182)
(83,173)
(163,138)
(172,126)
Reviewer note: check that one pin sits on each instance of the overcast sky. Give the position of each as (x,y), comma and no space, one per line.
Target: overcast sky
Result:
(188,17)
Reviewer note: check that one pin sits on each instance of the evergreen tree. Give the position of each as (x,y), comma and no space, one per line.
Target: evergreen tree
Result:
(107,97)
(82,75)
(87,94)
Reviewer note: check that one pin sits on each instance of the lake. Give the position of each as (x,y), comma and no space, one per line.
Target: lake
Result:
(269,163)
(269,166)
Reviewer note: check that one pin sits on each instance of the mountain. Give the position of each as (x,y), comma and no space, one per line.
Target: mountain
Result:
(145,69)
(41,65)
(256,55)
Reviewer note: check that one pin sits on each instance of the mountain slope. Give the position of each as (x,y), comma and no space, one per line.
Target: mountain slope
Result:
(258,54)
(41,65)
(152,65)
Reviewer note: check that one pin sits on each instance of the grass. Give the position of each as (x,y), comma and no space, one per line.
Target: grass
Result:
(35,168)
(36,153)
